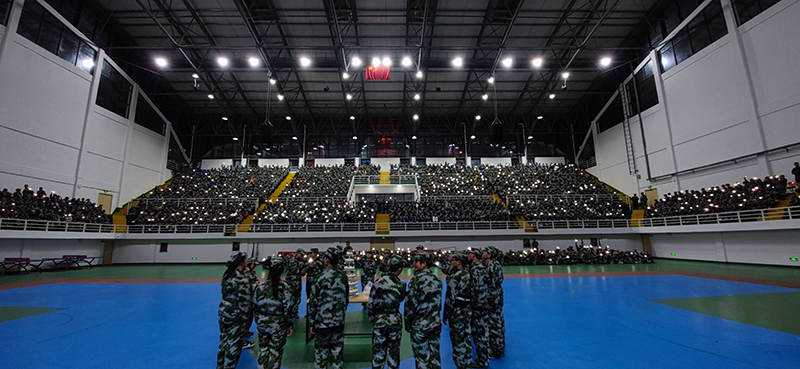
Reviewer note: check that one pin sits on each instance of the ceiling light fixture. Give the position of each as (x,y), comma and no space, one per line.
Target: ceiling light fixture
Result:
(352,117)
(419,74)
(272,81)
(280,97)
(540,117)
(458,62)
(386,61)
(236,138)
(356,61)
(472,137)
(305,61)
(224,118)
(485,97)
(195,76)
(210,96)
(530,137)
(416,97)
(349,97)
(491,80)
(565,75)
(552,96)
(537,62)
(406,61)
(253,61)
(355,137)
(477,117)
(288,118)
(161,62)
(605,61)
(376,62)
(345,75)
(415,117)
(413,137)
(222,61)
(507,62)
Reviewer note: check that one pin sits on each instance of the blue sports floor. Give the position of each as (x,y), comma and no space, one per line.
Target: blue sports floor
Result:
(560,322)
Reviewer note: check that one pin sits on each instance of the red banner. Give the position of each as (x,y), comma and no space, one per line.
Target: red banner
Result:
(380,72)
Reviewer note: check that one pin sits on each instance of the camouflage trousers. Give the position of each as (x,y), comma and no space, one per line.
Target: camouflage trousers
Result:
(462,346)
(296,286)
(230,344)
(386,347)
(480,335)
(329,350)
(425,345)
(271,341)
(497,331)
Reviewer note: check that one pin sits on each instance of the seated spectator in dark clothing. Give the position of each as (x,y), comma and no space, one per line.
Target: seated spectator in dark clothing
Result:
(796,172)
(38,206)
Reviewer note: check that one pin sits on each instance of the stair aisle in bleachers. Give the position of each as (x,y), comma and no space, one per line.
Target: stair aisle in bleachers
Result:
(274,197)
(636,216)
(244,226)
(382,223)
(385,178)
(120,217)
(777,212)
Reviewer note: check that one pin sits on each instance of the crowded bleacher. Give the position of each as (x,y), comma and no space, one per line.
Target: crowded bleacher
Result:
(193,211)
(481,209)
(316,212)
(538,179)
(26,204)
(750,194)
(446,179)
(570,208)
(227,182)
(325,181)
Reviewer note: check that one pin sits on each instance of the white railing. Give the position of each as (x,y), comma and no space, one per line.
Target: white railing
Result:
(564,197)
(201,200)
(394,179)
(684,220)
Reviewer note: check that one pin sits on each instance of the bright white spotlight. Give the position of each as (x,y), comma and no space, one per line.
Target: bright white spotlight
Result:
(485,96)
(537,62)
(352,117)
(355,137)
(280,97)
(349,97)
(294,138)
(419,74)
(472,137)
(224,118)
(386,61)
(272,81)
(345,75)
(416,97)
(507,62)
(253,62)
(565,75)
(552,96)
(236,138)
(415,117)
(222,61)
(413,137)
(530,137)
(88,63)
(195,76)
(376,62)
(477,117)
(491,80)
(305,61)
(406,61)
(540,117)
(288,118)
(211,97)
(161,62)
(458,62)
(356,61)
(605,61)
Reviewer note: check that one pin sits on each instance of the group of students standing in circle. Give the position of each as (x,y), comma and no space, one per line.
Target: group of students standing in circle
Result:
(473,308)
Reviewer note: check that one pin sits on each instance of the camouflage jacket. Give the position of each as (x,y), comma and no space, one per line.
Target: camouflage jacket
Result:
(495,272)
(314,270)
(369,266)
(271,306)
(385,298)
(295,269)
(457,298)
(236,297)
(481,293)
(424,303)
(328,302)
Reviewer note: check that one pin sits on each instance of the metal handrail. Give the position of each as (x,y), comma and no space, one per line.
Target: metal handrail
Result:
(202,200)
(792,212)
(576,197)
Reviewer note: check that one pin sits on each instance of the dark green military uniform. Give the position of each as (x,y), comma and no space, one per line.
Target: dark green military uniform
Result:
(312,271)
(458,313)
(422,315)
(497,323)
(480,310)
(236,298)
(273,316)
(326,313)
(385,297)
(369,267)
(295,269)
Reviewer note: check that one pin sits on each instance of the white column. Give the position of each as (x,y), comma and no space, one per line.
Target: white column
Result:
(662,100)
(11,27)
(96,73)
(129,139)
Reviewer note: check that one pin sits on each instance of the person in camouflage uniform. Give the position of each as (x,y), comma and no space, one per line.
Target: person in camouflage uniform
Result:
(383,308)
(497,324)
(295,268)
(315,268)
(369,267)
(236,297)
(326,313)
(480,308)
(250,272)
(422,313)
(272,308)
(457,310)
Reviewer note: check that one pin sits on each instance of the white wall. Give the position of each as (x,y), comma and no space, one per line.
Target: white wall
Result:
(764,247)
(495,161)
(215,163)
(36,249)
(708,115)
(385,164)
(328,162)
(432,161)
(271,162)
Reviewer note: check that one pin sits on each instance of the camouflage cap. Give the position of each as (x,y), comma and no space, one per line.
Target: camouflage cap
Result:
(492,251)
(460,256)
(313,249)
(420,247)
(395,262)
(423,257)
(301,251)
(333,253)
(476,251)
(236,255)
(275,262)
